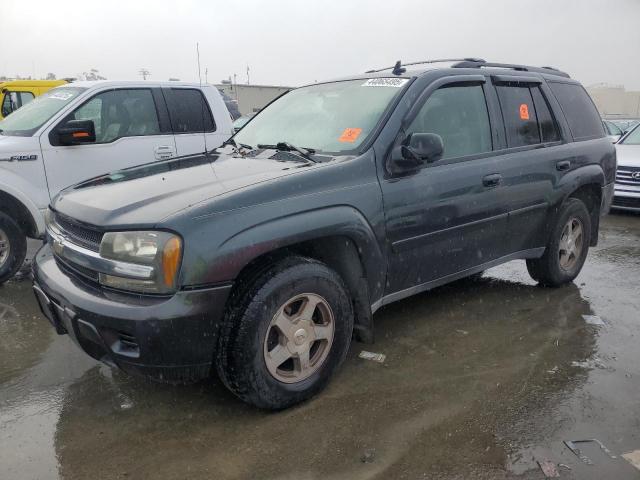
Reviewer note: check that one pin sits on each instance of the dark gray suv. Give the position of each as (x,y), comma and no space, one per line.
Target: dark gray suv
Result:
(261,259)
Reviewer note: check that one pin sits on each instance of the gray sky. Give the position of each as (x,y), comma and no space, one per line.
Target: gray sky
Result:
(295,42)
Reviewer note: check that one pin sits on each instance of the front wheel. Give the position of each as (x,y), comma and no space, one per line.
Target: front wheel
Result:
(567,247)
(287,334)
(13,247)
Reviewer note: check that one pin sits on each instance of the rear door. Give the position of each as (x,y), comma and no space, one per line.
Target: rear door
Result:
(193,123)
(132,128)
(449,216)
(532,159)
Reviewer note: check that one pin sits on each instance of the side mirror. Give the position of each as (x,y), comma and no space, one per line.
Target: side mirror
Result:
(77,132)
(417,149)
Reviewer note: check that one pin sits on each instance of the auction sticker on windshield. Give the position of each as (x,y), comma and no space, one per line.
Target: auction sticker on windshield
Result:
(61,95)
(385,82)
(350,135)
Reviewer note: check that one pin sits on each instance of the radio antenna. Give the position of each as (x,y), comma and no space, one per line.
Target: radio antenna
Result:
(204,133)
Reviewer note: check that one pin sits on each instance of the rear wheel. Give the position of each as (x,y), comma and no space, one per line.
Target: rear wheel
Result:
(13,247)
(286,335)
(567,248)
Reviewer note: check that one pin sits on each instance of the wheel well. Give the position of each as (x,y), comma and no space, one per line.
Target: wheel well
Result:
(590,194)
(339,253)
(16,210)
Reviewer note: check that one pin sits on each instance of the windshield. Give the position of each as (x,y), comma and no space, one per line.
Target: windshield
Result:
(633,138)
(26,120)
(330,117)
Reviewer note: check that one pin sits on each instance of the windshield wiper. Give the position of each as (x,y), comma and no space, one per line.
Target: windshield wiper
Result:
(288,147)
(233,143)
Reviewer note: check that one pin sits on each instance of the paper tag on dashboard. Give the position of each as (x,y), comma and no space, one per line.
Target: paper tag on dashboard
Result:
(385,82)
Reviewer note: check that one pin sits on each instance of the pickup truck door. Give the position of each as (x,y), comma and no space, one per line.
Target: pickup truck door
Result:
(132,128)
(193,120)
(450,215)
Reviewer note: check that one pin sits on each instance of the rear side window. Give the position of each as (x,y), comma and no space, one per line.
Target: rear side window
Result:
(189,111)
(548,127)
(519,113)
(582,116)
(459,115)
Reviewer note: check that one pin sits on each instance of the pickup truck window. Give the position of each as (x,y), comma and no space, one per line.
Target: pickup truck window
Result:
(120,113)
(14,100)
(459,115)
(28,119)
(189,111)
(333,117)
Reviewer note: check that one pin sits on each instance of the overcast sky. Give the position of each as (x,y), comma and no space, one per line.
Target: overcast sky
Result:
(293,42)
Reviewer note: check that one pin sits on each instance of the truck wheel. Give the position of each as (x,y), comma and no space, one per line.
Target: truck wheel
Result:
(286,335)
(567,248)
(13,247)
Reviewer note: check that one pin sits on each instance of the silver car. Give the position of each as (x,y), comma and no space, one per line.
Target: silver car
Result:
(627,188)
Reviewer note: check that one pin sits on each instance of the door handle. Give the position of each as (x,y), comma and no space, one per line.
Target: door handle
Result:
(563,165)
(492,180)
(164,152)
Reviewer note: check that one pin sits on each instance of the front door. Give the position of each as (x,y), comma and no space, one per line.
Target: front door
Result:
(128,133)
(449,216)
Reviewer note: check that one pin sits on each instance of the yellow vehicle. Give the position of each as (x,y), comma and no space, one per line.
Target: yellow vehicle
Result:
(17,93)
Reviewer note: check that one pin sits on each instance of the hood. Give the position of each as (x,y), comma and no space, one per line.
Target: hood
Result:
(628,155)
(147,194)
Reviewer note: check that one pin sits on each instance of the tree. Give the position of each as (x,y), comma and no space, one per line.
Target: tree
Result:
(92,74)
(51,76)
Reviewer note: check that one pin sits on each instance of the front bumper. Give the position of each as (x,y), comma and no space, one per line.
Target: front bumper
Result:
(167,339)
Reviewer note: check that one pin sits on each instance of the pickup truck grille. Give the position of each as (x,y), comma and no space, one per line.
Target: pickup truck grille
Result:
(78,233)
(624,176)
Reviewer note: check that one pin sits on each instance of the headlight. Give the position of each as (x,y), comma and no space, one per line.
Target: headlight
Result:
(160,250)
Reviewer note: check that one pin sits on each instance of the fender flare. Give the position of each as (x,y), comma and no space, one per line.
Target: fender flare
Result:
(581,176)
(247,245)
(19,196)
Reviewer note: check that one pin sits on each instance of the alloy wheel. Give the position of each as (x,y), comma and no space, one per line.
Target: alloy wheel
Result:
(571,243)
(299,338)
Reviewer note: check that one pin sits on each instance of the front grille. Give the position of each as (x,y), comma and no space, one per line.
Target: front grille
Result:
(78,233)
(628,202)
(625,176)
(77,270)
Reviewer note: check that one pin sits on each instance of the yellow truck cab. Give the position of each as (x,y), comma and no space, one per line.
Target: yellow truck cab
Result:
(16,93)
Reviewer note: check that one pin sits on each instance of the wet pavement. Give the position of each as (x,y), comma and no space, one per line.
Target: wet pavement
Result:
(478,382)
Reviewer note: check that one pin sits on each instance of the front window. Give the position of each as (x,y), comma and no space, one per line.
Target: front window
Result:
(330,117)
(28,119)
(633,138)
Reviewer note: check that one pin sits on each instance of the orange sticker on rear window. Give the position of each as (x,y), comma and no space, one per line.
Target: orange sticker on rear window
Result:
(349,135)
(524,112)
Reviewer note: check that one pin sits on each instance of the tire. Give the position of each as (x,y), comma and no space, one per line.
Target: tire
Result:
(13,247)
(556,268)
(253,334)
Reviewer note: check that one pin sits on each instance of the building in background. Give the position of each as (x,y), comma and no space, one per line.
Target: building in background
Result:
(614,101)
(251,98)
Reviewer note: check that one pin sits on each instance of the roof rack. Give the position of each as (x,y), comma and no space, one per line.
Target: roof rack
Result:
(478,63)
(399,69)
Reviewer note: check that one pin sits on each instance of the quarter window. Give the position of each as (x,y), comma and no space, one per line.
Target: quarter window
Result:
(120,113)
(189,111)
(459,115)
(581,114)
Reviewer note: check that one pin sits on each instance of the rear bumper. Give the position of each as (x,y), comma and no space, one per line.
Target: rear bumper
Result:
(167,339)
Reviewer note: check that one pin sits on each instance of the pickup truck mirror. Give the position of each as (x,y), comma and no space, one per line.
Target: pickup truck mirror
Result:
(77,132)
(417,149)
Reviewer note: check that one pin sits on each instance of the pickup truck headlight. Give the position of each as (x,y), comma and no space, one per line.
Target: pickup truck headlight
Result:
(160,250)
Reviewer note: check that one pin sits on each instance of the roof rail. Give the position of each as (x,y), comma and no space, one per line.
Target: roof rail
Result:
(477,63)
(398,67)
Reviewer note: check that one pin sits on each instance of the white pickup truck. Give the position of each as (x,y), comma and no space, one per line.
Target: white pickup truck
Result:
(85,129)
